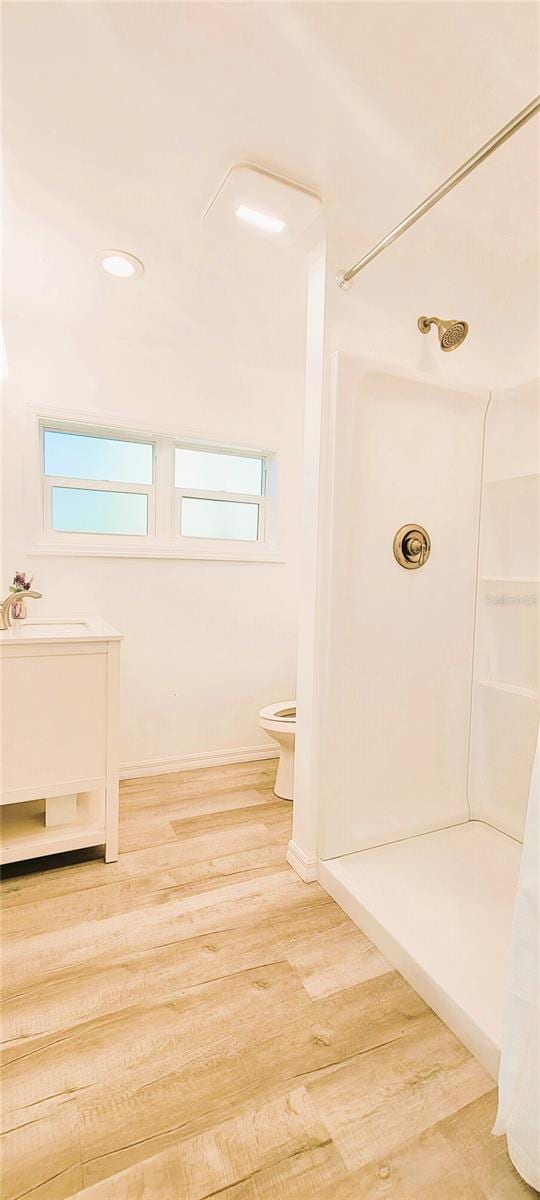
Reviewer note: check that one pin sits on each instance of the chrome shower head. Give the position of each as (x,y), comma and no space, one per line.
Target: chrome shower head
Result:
(451,333)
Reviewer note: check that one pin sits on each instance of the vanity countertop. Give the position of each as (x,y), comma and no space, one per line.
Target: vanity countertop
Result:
(59,629)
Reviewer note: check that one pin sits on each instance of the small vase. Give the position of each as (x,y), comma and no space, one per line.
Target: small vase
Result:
(19,610)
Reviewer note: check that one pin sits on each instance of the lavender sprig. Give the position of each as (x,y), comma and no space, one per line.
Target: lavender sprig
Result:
(20,582)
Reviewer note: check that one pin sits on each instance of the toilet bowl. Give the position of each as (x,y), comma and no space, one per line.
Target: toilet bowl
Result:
(279,720)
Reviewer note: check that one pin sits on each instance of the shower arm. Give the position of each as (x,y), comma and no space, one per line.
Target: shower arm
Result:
(345,278)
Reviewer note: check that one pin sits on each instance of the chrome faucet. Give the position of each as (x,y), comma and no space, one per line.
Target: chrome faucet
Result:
(7,605)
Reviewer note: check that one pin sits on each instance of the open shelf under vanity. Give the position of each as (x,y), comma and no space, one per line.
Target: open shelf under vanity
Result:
(25,832)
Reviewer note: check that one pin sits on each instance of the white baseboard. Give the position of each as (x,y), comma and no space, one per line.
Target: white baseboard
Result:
(193,762)
(305,867)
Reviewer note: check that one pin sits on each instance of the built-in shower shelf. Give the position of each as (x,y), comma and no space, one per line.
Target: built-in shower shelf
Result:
(511,688)
(513,478)
(510,579)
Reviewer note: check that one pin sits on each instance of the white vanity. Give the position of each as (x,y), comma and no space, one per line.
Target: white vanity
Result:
(59,770)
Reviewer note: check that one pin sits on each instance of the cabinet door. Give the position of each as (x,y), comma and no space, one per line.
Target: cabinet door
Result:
(54,718)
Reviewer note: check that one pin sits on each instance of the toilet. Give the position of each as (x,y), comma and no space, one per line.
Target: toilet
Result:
(279,721)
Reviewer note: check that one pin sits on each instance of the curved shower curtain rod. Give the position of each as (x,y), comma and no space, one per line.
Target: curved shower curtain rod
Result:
(345,278)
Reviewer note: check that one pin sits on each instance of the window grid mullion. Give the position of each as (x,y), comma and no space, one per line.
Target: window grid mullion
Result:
(206,494)
(98,485)
(163,486)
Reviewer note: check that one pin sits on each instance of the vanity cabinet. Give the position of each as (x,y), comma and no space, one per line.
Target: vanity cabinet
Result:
(59,772)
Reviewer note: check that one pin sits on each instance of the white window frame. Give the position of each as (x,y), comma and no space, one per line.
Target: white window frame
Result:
(163,539)
(183,493)
(95,485)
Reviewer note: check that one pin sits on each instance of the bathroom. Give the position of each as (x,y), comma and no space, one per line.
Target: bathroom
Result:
(234,962)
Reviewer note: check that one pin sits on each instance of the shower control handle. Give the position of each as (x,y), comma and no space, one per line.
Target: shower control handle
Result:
(412,546)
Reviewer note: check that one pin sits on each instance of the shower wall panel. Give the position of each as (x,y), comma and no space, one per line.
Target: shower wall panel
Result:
(506,695)
(397,672)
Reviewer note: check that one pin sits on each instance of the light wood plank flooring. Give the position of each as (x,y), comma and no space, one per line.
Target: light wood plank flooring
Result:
(194,1021)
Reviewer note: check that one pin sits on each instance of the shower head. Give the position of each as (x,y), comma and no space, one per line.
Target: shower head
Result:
(451,333)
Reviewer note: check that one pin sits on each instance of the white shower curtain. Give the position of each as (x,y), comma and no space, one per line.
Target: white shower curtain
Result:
(519,1077)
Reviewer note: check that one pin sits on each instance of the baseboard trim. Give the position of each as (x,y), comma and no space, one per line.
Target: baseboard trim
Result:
(194,762)
(305,867)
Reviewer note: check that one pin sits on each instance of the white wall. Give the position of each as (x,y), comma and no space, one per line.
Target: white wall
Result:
(506,695)
(206,644)
(396,707)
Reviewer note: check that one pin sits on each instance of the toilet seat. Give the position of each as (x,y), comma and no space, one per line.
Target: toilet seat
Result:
(280,716)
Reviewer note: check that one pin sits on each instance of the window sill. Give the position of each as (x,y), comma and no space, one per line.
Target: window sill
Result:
(259,555)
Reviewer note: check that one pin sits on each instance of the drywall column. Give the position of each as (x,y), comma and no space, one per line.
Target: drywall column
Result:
(302,851)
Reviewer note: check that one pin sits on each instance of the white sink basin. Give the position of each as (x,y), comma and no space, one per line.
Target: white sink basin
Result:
(47,629)
(57,629)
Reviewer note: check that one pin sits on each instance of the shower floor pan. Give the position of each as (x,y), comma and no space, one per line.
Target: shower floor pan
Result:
(439,907)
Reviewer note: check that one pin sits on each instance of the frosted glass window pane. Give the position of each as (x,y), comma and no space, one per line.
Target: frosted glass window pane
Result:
(82,510)
(81,456)
(208,472)
(219,519)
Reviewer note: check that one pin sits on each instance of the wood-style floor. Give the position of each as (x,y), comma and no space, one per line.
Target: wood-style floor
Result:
(194,1021)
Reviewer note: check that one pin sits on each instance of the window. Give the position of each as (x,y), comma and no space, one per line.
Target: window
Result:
(96,484)
(87,510)
(118,491)
(92,456)
(219,495)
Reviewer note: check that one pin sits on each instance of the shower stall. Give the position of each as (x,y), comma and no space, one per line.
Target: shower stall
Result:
(426,705)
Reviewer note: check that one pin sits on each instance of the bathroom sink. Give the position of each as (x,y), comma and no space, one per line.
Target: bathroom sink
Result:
(47,629)
(59,629)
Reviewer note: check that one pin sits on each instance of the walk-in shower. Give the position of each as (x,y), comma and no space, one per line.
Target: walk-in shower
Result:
(429,685)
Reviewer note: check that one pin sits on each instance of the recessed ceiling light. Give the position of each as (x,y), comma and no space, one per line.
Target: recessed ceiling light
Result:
(259,219)
(121,264)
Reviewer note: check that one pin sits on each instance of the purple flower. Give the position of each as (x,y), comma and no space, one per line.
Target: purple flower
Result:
(20,583)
